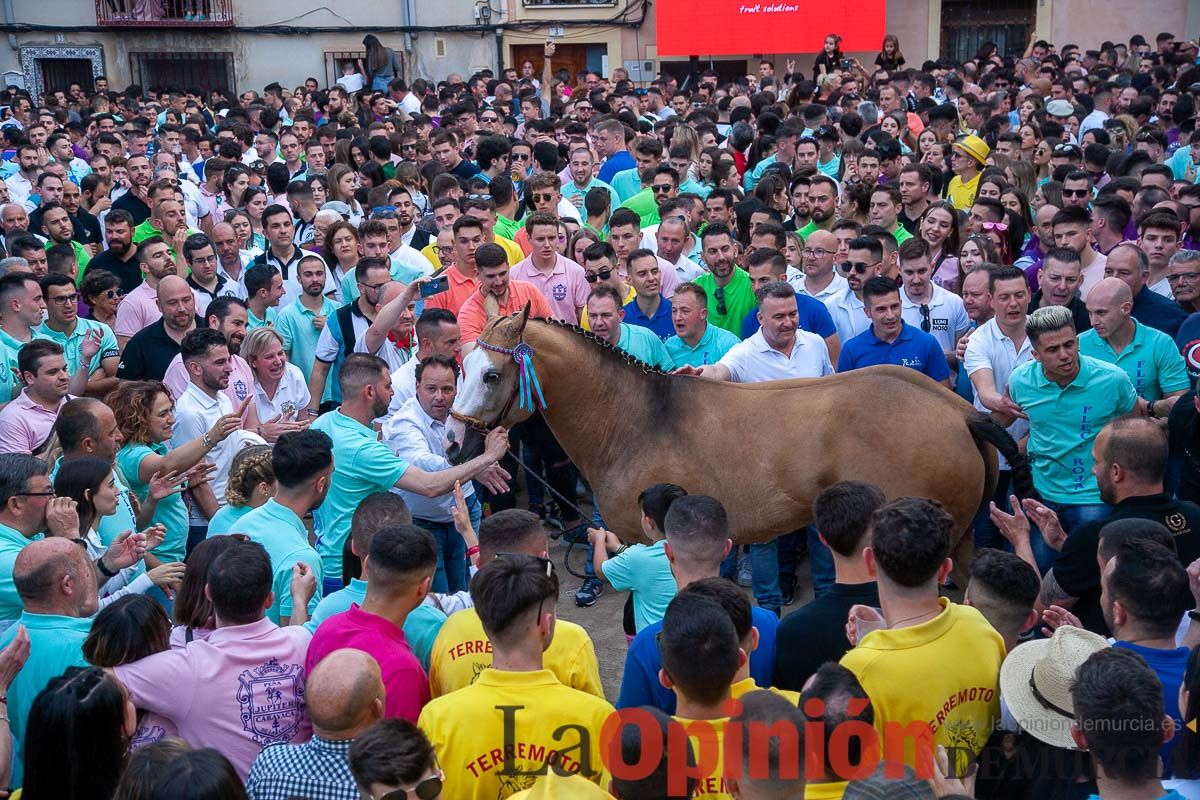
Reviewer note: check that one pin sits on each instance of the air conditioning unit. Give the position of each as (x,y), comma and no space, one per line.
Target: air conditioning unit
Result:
(641,71)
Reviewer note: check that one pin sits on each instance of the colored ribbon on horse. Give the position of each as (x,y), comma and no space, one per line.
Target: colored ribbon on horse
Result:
(529,391)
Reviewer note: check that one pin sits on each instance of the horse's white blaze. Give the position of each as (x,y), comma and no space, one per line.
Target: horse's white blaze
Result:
(472,398)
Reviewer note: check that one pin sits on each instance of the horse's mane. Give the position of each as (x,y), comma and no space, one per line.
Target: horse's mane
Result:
(605,345)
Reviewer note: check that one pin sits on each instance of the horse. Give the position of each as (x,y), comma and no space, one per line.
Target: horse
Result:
(764,450)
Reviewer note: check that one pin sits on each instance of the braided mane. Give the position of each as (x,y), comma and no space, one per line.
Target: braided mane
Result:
(604,344)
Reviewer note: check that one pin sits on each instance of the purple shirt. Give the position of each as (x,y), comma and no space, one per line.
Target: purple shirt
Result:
(564,287)
(406,682)
(238,691)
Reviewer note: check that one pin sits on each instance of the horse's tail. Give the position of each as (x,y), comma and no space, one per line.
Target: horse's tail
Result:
(985,431)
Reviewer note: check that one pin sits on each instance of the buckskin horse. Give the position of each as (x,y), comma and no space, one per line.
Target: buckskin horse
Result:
(764,450)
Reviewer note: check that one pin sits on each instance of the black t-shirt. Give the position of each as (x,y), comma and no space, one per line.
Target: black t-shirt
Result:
(139,210)
(1079,312)
(1076,569)
(1183,462)
(87,228)
(816,633)
(149,353)
(129,273)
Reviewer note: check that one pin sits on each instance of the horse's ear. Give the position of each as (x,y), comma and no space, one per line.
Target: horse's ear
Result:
(522,318)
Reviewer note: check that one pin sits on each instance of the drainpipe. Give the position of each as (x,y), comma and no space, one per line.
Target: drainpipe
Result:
(8,19)
(410,19)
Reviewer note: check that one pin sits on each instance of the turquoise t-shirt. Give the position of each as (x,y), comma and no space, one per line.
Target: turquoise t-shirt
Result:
(10,384)
(644,344)
(253,322)
(225,518)
(400,272)
(712,345)
(644,569)
(171,512)
(1064,422)
(362,465)
(626,184)
(283,535)
(420,629)
(1151,360)
(55,643)
(12,542)
(295,325)
(73,345)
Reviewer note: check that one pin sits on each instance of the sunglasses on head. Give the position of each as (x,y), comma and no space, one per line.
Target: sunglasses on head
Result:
(598,275)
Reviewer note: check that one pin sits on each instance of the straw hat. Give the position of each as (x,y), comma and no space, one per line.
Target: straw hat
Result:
(973,146)
(1035,682)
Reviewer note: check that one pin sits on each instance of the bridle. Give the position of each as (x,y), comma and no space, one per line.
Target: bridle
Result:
(527,392)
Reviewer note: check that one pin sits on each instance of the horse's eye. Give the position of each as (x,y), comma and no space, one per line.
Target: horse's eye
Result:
(491,377)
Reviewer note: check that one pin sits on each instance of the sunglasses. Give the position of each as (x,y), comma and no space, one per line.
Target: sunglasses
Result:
(996,226)
(719,296)
(543,198)
(925,324)
(858,266)
(598,275)
(113,294)
(1075,192)
(660,188)
(427,789)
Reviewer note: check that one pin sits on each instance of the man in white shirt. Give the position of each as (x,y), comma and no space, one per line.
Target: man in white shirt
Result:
(672,240)
(926,305)
(209,365)
(820,281)
(865,258)
(437,335)
(417,435)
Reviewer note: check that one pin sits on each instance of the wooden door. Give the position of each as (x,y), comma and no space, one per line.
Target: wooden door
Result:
(572,57)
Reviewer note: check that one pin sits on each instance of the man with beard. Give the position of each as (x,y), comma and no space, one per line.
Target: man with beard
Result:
(730,292)
(136,200)
(300,322)
(140,308)
(864,259)
(406,214)
(86,226)
(822,202)
(56,224)
(149,352)
(199,407)
(227,316)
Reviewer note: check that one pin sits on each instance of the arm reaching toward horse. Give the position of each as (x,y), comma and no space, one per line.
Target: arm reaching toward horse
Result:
(434,484)
(712,372)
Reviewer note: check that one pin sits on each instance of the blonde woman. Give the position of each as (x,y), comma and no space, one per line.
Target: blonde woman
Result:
(280,389)
(251,483)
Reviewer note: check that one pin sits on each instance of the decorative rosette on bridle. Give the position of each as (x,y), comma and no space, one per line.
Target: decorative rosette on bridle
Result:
(529,392)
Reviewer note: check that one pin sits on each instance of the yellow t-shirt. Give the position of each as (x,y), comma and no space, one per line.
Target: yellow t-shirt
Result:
(825,791)
(462,652)
(557,787)
(962,195)
(541,720)
(702,734)
(583,320)
(511,249)
(748,685)
(955,697)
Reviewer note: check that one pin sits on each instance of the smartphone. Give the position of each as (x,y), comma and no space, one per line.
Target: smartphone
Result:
(846,63)
(436,286)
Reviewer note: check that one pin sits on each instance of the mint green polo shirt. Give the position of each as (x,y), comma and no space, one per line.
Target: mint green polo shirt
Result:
(571,190)
(739,300)
(253,322)
(55,643)
(283,535)
(1151,360)
(644,344)
(399,271)
(295,325)
(420,628)
(712,345)
(1064,423)
(224,520)
(12,542)
(362,465)
(645,570)
(170,512)
(626,183)
(10,385)
(72,344)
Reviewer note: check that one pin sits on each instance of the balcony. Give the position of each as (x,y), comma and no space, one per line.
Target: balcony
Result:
(165,13)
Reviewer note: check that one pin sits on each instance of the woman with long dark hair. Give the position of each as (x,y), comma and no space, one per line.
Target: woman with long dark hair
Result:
(194,615)
(77,737)
(382,64)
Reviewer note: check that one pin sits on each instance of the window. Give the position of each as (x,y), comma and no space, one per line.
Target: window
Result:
(207,71)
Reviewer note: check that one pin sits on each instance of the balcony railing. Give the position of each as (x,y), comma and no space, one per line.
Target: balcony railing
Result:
(165,13)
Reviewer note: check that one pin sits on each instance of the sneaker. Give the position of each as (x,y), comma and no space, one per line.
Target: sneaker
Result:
(745,576)
(588,593)
(787,586)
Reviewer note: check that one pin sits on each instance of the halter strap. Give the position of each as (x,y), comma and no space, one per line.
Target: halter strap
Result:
(529,388)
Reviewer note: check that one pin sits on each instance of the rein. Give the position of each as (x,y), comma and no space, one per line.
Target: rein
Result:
(528,391)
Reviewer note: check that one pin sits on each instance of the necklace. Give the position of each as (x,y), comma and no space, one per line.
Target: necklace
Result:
(918,616)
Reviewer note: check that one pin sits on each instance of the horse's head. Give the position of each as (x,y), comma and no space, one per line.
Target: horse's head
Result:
(488,398)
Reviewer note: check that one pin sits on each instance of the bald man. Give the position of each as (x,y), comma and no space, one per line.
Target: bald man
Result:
(229,256)
(150,351)
(820,280)
(1148,356)
(345,696)
(57,585)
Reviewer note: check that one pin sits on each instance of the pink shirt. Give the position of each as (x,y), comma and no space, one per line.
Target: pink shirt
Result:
(238,691)
(406,682)
(564,287)
(241,380)
(137,310)
(25,425)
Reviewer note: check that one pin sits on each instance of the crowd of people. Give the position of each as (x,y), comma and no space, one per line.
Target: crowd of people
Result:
(236,561)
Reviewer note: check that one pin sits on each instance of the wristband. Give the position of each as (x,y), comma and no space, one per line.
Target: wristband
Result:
(207,441)
(472,551)
(100,565)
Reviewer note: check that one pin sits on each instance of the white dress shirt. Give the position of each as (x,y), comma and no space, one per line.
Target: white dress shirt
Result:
(848,315)
(948,319)
(989,348)
(753,360)
(404,384)
(420,440)
(195,414)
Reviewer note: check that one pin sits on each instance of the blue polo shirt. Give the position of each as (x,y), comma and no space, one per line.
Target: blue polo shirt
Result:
(55,643)
(1151,360)
(283,535)
(1187,340)
(712,345)
(1064,422)
(640,685)
(814,318)
(421,627)
(1162,313)
(362,465)
(913,348)
(615,163)
(660,323)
